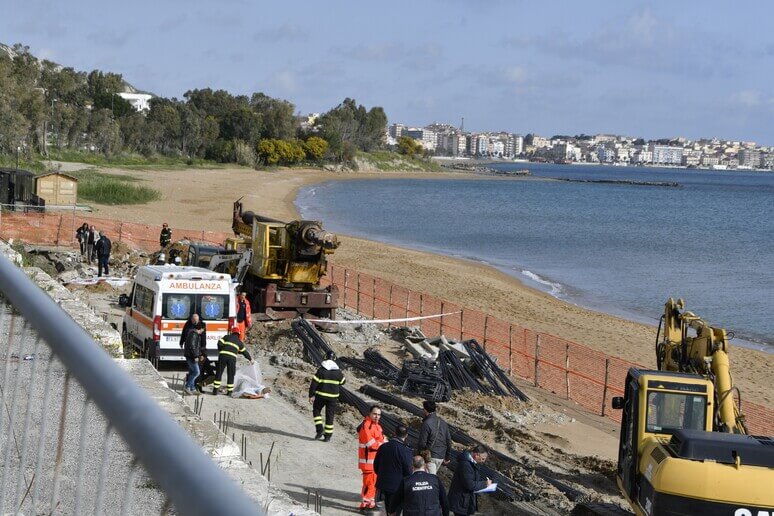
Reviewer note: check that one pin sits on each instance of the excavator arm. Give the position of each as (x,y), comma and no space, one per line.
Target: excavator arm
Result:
(690,345)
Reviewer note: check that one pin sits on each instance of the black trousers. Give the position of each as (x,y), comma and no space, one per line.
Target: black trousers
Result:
(330,411)
(229,363)
(102,263)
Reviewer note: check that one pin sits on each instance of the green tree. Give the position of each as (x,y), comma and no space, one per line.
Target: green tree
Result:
(104,131)
(277,120)
(409,146)
(350,123)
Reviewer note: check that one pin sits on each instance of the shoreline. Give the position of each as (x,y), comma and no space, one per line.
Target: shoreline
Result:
(205,197)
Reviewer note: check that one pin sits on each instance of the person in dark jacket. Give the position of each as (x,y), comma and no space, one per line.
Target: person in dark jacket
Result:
(207,371)
(82,235)
(421,493)
(466,480)
(165,237)
(91,239)
(194,323)
(392,463)
(103,248)
(192,351)
(435,437)
(324,392)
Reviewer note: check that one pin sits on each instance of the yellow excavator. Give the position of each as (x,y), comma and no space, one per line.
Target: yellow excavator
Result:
(684,447)
(279,264)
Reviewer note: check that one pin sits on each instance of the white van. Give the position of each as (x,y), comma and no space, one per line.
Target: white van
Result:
(162,300)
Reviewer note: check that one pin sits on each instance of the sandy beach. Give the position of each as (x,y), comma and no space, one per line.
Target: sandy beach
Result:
(202,199)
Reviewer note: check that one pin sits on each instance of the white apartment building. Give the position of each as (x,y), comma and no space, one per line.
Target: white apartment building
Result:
(518,145)
(139,101)
(496,147)
(605,154)
(396,130)
(566,151)
(666,154)
(642,156)
(710,160)
(750,158)
(428,139)
(539,142)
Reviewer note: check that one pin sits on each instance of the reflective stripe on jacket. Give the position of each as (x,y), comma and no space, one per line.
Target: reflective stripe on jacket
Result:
(231,345)
(370,437)
(326,381)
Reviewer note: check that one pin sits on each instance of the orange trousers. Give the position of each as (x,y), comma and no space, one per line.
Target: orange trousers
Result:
(242,327)
(369,490)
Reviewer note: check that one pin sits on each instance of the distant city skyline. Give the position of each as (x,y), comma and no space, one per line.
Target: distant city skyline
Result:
(657,70)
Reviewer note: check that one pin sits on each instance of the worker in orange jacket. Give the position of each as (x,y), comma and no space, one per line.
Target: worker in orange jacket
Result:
(370,436)
(243,315)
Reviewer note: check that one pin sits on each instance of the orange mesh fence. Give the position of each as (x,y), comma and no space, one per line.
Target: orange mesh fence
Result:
(58,229)
(568,369)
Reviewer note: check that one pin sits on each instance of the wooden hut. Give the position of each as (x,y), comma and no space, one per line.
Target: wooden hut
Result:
(57,189)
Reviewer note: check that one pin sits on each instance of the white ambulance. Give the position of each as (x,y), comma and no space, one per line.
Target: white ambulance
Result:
(163,298)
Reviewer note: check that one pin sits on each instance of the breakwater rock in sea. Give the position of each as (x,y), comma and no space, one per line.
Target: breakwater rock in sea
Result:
(484,170)
(664,184)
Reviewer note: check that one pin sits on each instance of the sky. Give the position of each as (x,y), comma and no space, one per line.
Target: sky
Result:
(658,69)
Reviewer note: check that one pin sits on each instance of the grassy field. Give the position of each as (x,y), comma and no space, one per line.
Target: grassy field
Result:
(106,189)
(392,161)
(137,161)
(32,166)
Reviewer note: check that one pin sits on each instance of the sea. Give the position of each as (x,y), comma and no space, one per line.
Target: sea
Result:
(707,237)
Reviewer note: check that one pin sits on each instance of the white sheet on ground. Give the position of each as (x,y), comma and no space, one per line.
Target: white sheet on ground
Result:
(248,380)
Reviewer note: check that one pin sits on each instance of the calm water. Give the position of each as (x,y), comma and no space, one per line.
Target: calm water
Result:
(618,248)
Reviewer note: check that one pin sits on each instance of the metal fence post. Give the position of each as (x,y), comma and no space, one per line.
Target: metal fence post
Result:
(72,231)
(462,324)
(389,307)
(442,311)
(408,302)
(120,230)
(346,285)
(373,298)
(604,390)
(510,349)
(567,370)
(58,230)
(486,329)
(357,308)
(537,358)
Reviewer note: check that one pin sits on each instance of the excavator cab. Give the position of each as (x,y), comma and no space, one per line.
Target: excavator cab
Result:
(669,460)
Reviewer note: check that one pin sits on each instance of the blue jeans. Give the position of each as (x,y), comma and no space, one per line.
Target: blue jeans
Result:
(193,373)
